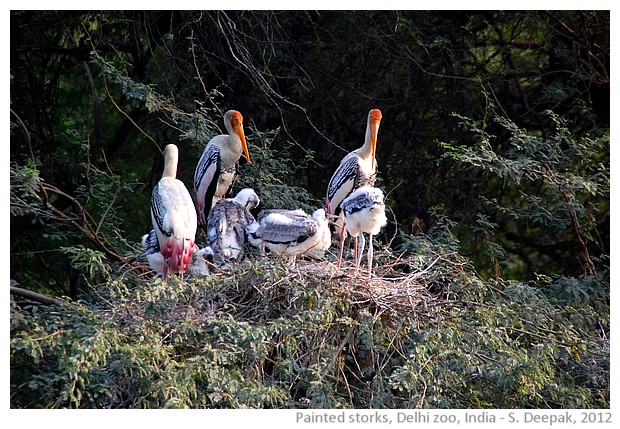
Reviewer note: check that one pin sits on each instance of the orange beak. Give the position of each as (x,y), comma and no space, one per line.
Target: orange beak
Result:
(238,127)
(375,120)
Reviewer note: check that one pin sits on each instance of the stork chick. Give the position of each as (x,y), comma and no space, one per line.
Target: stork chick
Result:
(227,224)
(291,233)
(364,212)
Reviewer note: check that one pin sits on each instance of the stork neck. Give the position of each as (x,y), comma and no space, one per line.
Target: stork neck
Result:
(366,151)
(234,143)
(172,158)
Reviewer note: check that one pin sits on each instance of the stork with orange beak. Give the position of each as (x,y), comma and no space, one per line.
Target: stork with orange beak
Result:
(357,169)
(217,168)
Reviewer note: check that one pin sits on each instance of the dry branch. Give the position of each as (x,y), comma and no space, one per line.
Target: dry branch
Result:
(43,299)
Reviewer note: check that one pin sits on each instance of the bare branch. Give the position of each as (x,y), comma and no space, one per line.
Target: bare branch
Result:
(43,299)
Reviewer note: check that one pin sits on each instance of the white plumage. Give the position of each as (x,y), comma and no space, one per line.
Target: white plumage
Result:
(364,212)
(196,267)
(227,224)
(291,233)
(358,168)
(217,167)
(174,217)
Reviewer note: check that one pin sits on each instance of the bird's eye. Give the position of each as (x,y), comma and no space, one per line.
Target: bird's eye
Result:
(237,118)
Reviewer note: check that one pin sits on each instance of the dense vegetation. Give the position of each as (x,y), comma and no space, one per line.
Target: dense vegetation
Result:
(492,286)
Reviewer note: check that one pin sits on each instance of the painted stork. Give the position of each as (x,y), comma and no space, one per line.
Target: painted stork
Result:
(296,215)
(174,217)
(291,233)
(217,167)
(357,168)
(227,223)
(364,212)
(197,265)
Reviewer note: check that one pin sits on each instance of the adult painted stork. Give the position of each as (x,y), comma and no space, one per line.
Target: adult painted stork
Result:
(217,167)
(291,233)
(357,168)
(227,224)
(174,217)
(364,212)
(197,265)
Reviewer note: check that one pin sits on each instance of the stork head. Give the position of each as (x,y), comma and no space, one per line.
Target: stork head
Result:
(319,215)
(375,115)
(248,198)
(374,119)
(235,119)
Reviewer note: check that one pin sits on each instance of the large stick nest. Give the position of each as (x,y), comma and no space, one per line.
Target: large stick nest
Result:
(264,288)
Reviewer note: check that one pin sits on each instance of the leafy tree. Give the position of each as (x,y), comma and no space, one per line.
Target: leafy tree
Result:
(428,332)
(556,181)
(493,152)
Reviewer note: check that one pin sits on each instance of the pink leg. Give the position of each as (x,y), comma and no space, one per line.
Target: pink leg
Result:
(165,271)
(370,258)
(343,236)
(356,255)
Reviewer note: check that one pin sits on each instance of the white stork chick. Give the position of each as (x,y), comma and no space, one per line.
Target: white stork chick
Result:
(227,224)
(358,168)
(174,217)
(364,212)
(217,167)
(196,267)
(152,253)
(291,233)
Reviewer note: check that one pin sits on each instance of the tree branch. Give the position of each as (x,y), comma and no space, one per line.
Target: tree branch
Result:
(43,299)
(82,225)
(590,267)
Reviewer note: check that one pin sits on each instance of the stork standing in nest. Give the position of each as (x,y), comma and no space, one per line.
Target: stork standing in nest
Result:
(217,167)
(364,212)
(227,224)
(358,168)
(291,233)
(174,217)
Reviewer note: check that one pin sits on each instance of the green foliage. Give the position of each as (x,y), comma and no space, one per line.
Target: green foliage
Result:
(498,296)
(273,174)
(512,351)
(24,191)
(259,335)
(196,125)
(95,210)
(554,187)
